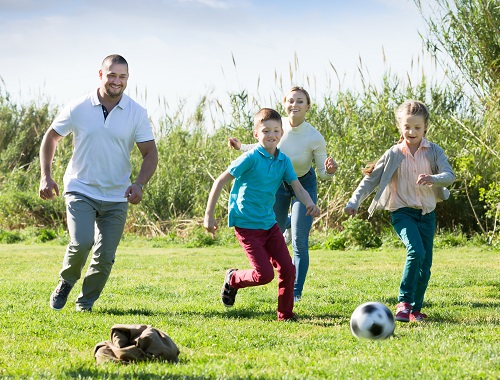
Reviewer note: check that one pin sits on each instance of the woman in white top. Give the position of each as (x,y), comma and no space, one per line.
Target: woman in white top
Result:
(303,144)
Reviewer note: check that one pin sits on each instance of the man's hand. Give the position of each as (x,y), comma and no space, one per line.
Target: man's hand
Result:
(47,188)
(134,194)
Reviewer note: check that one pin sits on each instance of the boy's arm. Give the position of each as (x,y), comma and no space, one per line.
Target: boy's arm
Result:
(304,197)
(209,222)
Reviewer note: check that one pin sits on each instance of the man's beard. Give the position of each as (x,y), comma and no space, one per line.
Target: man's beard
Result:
(114,93)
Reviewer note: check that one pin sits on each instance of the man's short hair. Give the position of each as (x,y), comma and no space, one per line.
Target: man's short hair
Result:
(114,59)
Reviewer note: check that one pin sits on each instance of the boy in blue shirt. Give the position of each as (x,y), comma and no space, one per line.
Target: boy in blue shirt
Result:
(257,175)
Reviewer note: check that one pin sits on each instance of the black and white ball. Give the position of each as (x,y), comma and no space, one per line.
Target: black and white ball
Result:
(372,320)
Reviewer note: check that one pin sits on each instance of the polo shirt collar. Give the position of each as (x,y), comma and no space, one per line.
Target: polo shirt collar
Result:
(266,154)
(124,101)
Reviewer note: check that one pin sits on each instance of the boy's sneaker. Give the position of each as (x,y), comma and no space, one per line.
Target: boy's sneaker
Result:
(403,310)
(228,293)
(417,316)
(59,296)
(296,298)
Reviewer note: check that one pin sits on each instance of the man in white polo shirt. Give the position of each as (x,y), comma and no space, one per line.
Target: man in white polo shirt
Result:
(97,187)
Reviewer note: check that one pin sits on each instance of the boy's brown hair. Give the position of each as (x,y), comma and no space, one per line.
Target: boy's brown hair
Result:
(265,114)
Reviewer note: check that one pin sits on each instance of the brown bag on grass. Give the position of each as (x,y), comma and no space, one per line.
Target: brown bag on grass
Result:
(131,343)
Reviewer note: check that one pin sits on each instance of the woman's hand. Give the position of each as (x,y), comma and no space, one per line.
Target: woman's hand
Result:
(330,165)
(350,211)
(234,143)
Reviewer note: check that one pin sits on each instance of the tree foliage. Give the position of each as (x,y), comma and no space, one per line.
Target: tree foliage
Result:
(468,33)
(465,35)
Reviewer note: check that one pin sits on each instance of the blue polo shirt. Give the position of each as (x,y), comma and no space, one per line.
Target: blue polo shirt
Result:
(257,178)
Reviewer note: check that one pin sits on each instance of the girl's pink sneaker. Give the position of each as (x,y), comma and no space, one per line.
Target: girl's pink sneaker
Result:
(417,316)
(403,312)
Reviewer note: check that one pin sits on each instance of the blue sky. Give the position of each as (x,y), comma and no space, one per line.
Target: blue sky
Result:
(184,49)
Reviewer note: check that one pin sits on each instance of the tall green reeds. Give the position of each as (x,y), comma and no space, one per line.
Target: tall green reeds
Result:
(358,127)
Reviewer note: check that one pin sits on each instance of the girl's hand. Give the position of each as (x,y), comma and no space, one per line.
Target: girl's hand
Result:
(350,211)
(312,210)
(425,179)
(234,143)
(330,165)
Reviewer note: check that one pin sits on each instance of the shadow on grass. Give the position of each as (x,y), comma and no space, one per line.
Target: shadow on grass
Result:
(324,320)
(209,314)
(116,311)
(231,313)
(439,317)
(104,373)
(304,318)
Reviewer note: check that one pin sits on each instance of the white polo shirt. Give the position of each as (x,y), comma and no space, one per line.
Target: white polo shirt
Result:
(100,167)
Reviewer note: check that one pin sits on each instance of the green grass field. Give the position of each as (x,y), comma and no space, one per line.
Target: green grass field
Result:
(177,291)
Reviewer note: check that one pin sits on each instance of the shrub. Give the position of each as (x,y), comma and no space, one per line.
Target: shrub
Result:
(9,237)
(336,242)
(357,233)
(24,209)
(447,239)
(45,235)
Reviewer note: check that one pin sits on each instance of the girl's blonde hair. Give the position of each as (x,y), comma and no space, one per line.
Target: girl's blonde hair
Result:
(407,108)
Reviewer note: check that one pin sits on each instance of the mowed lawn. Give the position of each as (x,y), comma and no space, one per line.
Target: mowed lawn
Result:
(177,291)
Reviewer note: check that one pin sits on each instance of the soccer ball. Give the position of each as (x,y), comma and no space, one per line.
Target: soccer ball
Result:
(372,320)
